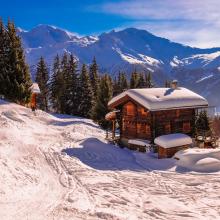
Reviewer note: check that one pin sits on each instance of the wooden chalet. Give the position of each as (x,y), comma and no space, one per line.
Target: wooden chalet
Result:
(149,113)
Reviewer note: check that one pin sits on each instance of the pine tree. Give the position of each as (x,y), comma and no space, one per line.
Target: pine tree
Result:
(42,77)
(86,94)
(94,77)
(141,81)
(73,87)
(66,80)
(134,80)
(17,82)
(202,122)
(122,82)
(149,81)
(116,87)
(3,58)
(56,86)
(101,107)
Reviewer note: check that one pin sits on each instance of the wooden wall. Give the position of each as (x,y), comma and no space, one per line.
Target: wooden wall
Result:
(138,122)
(135,122)
(174,121)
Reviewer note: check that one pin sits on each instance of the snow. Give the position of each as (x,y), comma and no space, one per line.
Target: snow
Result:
(35,88)
(204,78)
(173,140)
(60,167)
(139,142)
(129,58)
(149,60)
(163,98)
(200,160)
(175,62)
(208,57)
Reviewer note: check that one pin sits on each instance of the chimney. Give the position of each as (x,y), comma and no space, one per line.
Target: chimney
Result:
(174,84)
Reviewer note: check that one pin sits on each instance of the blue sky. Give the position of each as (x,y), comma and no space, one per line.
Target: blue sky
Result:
(192,22)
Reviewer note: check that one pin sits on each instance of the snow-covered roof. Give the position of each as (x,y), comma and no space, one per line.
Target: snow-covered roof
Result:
(35,88)
(162,98)
(139,142)
(173,140)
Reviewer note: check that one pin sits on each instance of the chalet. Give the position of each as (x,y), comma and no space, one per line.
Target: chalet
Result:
(145,114)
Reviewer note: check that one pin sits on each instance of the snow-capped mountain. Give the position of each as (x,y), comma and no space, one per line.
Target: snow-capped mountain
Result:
(198,69)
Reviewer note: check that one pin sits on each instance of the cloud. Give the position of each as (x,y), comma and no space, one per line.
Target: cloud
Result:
(192,22)
(166,9)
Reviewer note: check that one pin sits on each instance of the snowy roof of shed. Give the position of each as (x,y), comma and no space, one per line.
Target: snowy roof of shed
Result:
(173,140)
(35,88)
(161,98)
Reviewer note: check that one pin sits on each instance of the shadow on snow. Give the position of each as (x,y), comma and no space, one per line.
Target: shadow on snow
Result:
(75,121)
(99,155)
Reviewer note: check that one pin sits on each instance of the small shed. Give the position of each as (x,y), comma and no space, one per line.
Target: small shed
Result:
(169,144)
(139,144)
(35,90)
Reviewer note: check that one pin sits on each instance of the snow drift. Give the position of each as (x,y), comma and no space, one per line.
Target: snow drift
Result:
(200,160)
(60,167)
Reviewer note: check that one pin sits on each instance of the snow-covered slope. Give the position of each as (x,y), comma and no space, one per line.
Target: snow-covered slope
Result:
(128,49)
(60,167)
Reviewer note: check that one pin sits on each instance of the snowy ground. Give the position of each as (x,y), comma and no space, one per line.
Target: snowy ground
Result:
(59,167)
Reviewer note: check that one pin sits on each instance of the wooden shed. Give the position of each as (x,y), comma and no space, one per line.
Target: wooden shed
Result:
(149,113)
(169,144)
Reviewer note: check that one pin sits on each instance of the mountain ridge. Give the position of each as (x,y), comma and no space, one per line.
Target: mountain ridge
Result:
(129,49)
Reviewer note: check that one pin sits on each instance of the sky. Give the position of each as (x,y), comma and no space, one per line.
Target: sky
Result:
(191,22)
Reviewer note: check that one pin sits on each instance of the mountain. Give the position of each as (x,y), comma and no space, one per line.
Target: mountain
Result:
(195,68)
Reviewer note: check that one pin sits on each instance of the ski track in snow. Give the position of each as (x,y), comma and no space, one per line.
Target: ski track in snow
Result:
(60,167)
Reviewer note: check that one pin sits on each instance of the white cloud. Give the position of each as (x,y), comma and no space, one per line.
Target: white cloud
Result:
(166,9)
(192,22)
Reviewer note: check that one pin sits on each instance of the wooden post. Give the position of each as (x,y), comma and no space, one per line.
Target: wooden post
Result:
(153,126)
(113,129)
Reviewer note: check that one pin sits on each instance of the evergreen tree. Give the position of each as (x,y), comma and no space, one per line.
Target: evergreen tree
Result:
(122,81)
(73,87)
(149,81)
(202,122)
(86,94)
(141,81)
(134,80)
(94,77)
(17,80)
(116,87)
(3,58)
(56,86)
(101,107)
(65,101)
(42,77)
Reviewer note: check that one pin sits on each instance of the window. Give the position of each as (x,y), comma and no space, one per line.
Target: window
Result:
(130,109)
(167,128)
(142,112)
(143,130)
(186,127)
(177,113)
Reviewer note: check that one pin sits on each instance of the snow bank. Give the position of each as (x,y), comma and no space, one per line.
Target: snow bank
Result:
(199,160)
(173,140)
